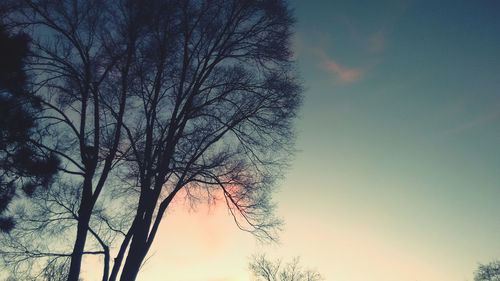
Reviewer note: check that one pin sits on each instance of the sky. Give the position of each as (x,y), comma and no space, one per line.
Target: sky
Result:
(397,174)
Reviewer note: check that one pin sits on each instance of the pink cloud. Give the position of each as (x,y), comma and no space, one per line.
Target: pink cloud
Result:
(342,73)
(339,72)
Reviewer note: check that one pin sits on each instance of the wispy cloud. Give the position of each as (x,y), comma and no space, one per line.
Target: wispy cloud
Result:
(339,72)
(491,116)
(342,73)
(317,46)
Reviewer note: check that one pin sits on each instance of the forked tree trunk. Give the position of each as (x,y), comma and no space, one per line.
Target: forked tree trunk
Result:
(136,253)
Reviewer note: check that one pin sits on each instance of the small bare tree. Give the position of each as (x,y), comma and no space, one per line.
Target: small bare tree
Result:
(264,269)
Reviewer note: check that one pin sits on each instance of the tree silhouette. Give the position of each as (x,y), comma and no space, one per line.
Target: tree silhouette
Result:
(264,269)
(22,165)
(488,272)
(217,94)
(146,101)
(81,60)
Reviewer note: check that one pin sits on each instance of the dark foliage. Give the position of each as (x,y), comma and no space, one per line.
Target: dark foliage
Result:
(22,165)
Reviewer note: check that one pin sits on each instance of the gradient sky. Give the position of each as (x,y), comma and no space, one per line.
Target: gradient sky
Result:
(398,172)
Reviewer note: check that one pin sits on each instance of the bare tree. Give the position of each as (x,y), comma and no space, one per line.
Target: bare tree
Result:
(82,52)
(488,272)
(160,97)
(264,269)
(216,100)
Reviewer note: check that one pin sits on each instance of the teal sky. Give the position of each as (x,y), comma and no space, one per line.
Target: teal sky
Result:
(399,136)
(397,177)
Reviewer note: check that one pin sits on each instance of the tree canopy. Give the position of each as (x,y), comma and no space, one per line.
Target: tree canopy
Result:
(147,101)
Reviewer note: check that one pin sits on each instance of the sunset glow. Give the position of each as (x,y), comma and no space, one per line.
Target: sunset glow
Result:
(190,140)
(397,177)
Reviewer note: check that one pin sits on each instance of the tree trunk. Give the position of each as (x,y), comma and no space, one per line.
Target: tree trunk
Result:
(82,229)
(136,253)
(79,246)
(105,272)
(121,253)
(143,237)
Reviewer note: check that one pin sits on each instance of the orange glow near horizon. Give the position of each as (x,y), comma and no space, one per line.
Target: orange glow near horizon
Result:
(199,244)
